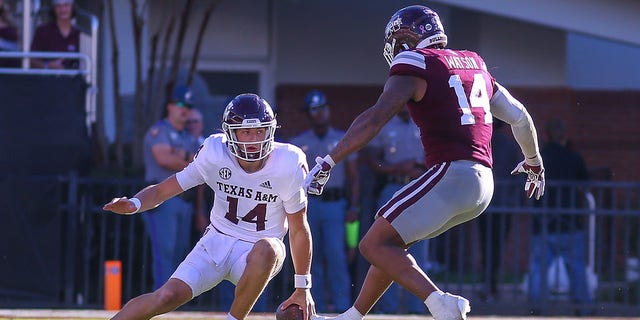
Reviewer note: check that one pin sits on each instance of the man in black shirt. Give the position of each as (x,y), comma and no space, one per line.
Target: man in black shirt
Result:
(558,232)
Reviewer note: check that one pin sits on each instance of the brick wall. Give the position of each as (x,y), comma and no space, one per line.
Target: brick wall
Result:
(604,126)
(346,103)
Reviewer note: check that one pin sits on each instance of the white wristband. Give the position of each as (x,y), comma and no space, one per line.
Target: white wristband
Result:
(329,160)
(533,161)
(137,203)
(302,281)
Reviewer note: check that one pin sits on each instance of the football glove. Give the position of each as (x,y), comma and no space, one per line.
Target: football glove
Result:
(319,175)
(535,178)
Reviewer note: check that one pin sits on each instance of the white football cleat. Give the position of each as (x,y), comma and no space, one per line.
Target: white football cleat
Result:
(351,314)
(446,306)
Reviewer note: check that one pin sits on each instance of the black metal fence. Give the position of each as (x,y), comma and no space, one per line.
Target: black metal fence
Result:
(609,213)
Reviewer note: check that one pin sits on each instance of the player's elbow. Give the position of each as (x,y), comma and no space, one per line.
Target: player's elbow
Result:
(522,120)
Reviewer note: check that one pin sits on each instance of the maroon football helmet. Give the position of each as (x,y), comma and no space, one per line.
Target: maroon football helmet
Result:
(247,111)
(412,27)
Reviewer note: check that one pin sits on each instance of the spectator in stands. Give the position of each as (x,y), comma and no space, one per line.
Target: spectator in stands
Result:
(494,225)
(168,148)
(558,234)
(335,207)
(370,185)
(395,156)
(202,194)
(195,124)
(8,35)
(57,35)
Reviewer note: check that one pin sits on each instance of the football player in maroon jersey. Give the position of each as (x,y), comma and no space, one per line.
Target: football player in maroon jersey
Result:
(452,98)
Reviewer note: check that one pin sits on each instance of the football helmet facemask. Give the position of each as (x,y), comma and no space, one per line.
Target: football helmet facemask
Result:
(412,27)
(249,111)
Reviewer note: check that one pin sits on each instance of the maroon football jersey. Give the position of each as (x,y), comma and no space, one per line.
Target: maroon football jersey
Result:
(454,115)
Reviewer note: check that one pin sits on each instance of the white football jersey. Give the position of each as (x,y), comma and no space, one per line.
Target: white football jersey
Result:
(249,206)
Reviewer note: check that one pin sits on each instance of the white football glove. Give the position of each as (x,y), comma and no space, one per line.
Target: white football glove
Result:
(535,178)
(319,175)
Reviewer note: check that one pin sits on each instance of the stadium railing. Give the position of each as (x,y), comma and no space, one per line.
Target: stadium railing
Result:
(609,209)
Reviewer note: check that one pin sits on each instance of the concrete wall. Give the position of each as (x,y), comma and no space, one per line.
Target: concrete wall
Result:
(594,63)
(614,20)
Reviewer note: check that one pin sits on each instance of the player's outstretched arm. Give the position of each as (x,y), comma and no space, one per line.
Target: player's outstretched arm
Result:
(507,108)
(148,198)
(301,244)
(398,90)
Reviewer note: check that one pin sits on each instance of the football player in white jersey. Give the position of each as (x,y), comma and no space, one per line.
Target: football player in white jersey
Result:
(259,196)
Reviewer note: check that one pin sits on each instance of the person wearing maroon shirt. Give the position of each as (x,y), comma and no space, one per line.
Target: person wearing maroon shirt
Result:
(58,35)
(452,98)
(8,35)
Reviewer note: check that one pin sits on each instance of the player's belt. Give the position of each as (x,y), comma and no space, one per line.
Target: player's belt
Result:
(332,194)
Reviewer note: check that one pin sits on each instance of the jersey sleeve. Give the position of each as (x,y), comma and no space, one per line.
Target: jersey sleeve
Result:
(408,63)
(192,175)
(294,197)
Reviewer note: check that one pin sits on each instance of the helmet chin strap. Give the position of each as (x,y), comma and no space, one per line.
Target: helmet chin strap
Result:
(240,150)
(243,154)
(251,165)
(251,156)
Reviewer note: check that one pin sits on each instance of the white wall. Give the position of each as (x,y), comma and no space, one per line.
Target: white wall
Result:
(126,62)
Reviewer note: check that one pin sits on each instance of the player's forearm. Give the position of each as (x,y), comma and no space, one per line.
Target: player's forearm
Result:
(301,252)
(527,138)
(361,131)
(153,195)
